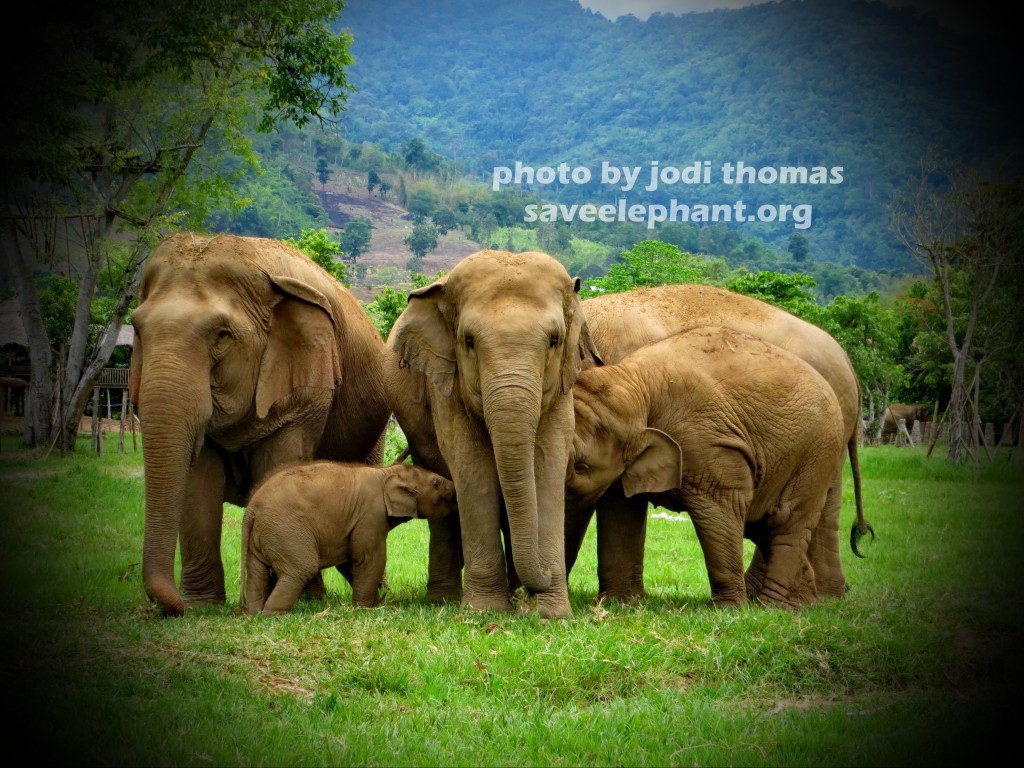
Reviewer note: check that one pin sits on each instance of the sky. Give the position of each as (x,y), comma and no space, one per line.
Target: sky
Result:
(966,17)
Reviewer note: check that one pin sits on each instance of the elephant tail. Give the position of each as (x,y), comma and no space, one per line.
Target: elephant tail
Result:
(247,519)
(860,526)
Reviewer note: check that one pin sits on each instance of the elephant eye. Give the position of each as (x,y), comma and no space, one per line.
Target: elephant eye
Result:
(580,467)
(469,342)
(553,342)
(223,334)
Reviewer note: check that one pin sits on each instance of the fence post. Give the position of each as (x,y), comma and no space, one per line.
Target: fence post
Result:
(124,412)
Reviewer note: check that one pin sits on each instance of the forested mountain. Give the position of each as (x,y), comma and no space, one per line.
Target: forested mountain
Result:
(826,84)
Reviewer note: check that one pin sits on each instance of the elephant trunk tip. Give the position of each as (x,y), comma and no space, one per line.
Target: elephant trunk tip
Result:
(538,583)
(857,533)
(166,597)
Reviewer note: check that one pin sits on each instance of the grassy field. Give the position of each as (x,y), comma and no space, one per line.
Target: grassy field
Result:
(919,664)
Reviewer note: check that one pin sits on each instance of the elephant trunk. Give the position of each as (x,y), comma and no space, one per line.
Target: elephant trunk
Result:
(172,435)
(512,414)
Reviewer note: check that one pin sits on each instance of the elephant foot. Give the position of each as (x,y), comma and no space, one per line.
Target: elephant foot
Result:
(753,579)
(727,602)
(203,601)
(554,609)
(831,587)
(444,594)
(774,595)
(623,594)
(488,603)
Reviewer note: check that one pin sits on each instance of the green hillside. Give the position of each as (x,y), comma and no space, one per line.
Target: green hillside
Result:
(812,86)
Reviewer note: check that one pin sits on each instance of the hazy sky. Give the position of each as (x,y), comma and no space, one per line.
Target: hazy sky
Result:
(955,13)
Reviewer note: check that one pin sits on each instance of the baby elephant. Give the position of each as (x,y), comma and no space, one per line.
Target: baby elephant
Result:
(309,517)
(745,436)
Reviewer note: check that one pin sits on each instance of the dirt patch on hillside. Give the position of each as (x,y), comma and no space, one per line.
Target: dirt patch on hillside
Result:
(345,198)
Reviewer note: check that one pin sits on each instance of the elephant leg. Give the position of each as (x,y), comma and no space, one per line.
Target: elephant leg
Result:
(289,446)
(754,576)
(823,550)
(445,560)
(621,537)
(485,580)
(286,592)
(720,533)
(315,589)
(553,602)
(367,574)
(258,583)
(199,532)
(789,567)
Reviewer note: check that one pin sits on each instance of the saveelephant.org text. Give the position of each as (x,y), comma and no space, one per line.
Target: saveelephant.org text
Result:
(655,213)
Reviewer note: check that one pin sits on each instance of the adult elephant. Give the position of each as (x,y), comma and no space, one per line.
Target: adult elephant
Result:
(481,371)
(623,322)
(895,412)
(248,356)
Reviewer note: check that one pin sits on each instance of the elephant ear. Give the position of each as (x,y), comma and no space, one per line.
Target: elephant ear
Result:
(302,350)
(424,336)
(399,497)
(654,463)
(579,346)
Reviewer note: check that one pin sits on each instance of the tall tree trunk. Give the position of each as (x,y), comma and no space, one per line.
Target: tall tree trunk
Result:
(39,397)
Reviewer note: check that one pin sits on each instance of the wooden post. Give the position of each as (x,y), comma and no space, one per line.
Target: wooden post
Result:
(95,425)
(901,432)
(124,414)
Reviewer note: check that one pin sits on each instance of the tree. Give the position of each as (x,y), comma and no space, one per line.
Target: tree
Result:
(317,244)
(653,262)
(323,172)
(799,247)
(355,238)
(113,105)
(969,233)
(422,240)
(372,181)
(786,291)
(444,220)
(869,333)
(418,158)
(422,200)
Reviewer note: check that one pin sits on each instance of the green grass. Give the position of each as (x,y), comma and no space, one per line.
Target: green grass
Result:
(918,664)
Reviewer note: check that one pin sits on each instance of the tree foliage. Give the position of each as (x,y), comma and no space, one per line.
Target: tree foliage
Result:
(653,262)
(318,245)
(125,114)
(356,237)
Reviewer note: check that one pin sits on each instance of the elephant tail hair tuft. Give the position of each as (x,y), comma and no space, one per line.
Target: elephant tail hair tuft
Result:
(856,534)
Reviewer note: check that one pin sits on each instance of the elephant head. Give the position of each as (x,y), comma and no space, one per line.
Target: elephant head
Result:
(503,337)
(235,367)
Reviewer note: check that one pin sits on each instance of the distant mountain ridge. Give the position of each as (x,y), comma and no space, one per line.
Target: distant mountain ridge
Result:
(825,84)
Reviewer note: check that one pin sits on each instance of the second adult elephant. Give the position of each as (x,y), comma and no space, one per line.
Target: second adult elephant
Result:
(480,373)
(896,412)
(624,322)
